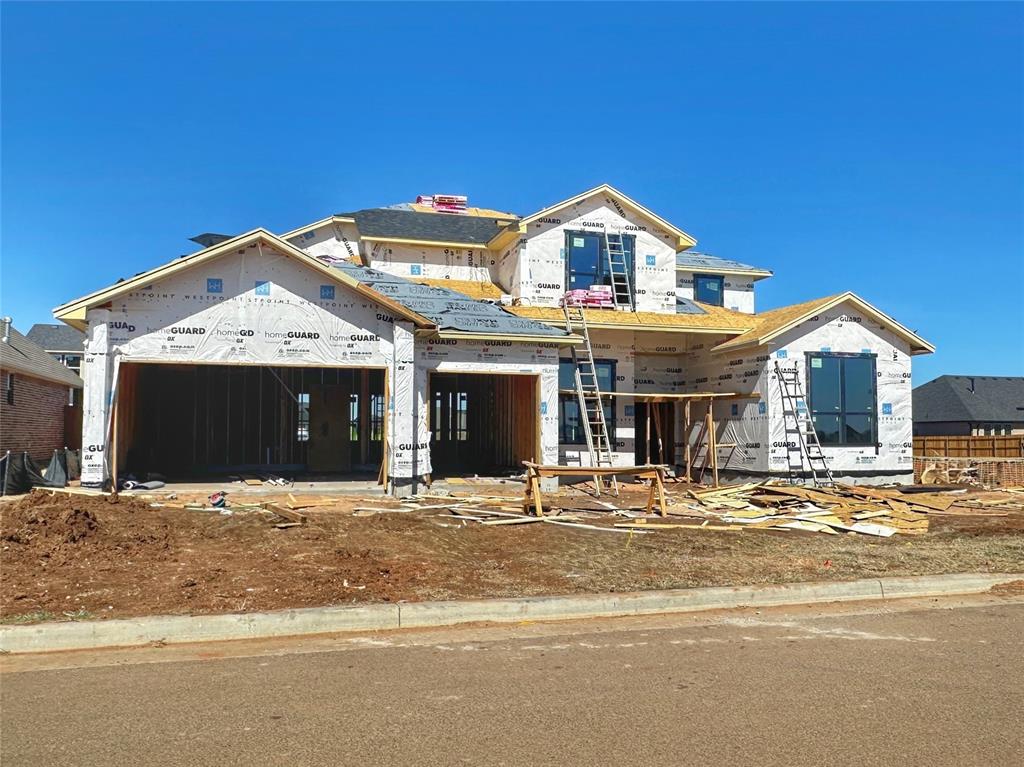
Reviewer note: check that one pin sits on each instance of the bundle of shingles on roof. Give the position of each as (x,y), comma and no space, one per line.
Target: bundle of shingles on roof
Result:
(834,510)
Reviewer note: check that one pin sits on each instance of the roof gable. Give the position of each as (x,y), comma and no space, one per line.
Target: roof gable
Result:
(974,399)
(684,240)
(74,312)
(772,324)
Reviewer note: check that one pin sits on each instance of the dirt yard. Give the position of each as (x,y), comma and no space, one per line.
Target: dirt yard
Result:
(80,557)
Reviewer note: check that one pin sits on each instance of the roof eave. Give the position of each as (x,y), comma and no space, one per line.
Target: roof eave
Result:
(430,243)
(525,338)
(317,225)
(15,366)
(757,274)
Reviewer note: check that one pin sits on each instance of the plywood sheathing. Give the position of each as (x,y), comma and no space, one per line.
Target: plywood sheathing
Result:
(480,212)
(770,324)
(766,323)
(471,288)
(714,319)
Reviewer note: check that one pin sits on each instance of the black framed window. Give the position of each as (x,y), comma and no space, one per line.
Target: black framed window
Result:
(586,260)
(10,388)
(570,428)
(709,289)
(842,398)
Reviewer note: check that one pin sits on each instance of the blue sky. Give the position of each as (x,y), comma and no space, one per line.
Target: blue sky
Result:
(873,148)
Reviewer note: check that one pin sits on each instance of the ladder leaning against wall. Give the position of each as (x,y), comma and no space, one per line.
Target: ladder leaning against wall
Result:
(618,272)
(803,449)
(588,393)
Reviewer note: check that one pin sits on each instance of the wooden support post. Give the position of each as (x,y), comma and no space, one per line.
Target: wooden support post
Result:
(657,433)
(686,435)
(712,443)
(533,490)
(660,479)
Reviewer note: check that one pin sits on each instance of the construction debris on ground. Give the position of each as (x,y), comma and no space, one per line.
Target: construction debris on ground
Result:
(770,505)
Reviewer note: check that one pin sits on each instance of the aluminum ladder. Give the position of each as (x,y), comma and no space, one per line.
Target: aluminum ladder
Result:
(618,272)
(595,429)
(801,436)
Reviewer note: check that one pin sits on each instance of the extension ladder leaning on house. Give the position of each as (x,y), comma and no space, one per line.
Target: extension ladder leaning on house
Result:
(618,272)
(801,436)
(595,429)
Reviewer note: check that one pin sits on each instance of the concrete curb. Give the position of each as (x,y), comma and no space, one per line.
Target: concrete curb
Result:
(49,637)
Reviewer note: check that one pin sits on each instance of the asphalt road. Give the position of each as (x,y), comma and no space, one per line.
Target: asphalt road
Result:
(924,683)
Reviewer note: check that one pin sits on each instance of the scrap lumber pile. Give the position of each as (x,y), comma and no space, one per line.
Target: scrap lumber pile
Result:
(842,509)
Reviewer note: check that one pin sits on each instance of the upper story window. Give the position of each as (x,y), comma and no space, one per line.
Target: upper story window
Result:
(842,396)
(586,260)
(9,387)
(709,289)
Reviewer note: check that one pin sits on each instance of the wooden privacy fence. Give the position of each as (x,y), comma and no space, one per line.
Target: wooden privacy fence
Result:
(969,447)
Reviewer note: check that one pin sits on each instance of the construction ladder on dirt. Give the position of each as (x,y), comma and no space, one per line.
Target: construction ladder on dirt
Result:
(801,436)
(595,429)
(618,271)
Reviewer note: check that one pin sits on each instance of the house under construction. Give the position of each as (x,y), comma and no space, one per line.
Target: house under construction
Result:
(435,339)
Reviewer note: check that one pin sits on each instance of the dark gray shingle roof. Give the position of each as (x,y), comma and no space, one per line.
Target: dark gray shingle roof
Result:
(704,261)
(434,227)
(949,398)
(449,309)
(20,355)
(686,306)
(57,338)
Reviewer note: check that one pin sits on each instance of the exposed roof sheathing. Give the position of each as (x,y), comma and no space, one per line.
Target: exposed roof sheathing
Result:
(713,319)
(972,399)
(481,291)
(57,338)
(481,212)
(452,228)
(19,355)
(706,263)
(773,323)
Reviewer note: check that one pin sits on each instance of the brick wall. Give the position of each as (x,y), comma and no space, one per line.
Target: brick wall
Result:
(35,422)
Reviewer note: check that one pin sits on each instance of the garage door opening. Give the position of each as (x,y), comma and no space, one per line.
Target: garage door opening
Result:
(483,424)
(187,421)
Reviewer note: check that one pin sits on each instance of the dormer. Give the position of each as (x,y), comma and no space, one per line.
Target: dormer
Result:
(717,281)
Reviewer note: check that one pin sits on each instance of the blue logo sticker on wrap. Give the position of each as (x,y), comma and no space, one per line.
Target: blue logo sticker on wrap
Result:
(886,408)
(262,288)
(327,292)
(415,269)
(651,260)
(214,285)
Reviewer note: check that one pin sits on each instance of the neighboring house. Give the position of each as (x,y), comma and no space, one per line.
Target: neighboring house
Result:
(62,342)
(36,396)
(959,406)
(433,342)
